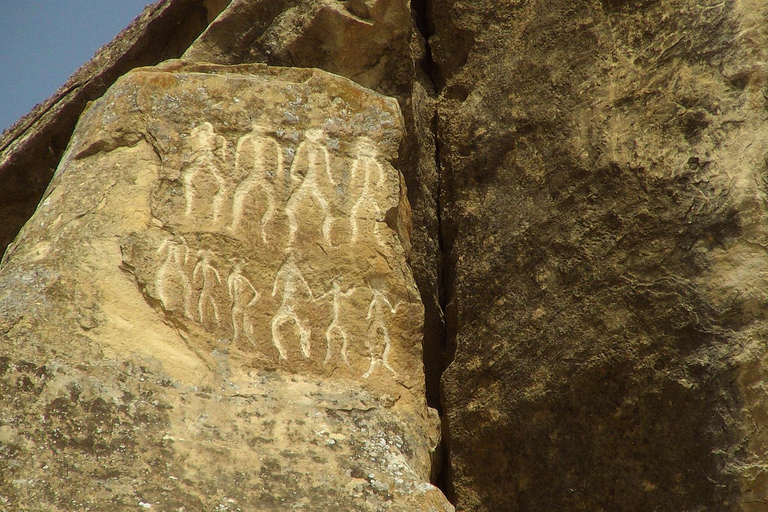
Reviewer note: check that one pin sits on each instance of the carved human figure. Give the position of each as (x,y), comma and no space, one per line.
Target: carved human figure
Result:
(204,185)
(310,173)
(378,330)
(207,273)
(288,278)
(171,276)
(259,158)
(243,296)
(335,326)
(366,213)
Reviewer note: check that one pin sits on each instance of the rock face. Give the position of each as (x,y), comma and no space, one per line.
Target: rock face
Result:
(376,44)
(604,213)
(319,32)
(212,307)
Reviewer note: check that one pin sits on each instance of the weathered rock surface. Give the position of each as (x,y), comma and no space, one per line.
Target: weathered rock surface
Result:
(212,307)
(604,211)
(320,32)
(184,328)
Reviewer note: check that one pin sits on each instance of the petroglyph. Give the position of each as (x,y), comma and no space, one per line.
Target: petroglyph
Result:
(259,158)
(171,283)
(243,296)
(366,210)
(378,329)
(335,326)
(204,185)
(206,272)
(307,182)
(239,207)
(290,276)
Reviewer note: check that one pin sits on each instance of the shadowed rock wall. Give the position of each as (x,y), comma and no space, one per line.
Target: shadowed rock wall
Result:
(604,215)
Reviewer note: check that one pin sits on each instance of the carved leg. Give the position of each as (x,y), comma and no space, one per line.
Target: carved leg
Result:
(279,319)
(235,324)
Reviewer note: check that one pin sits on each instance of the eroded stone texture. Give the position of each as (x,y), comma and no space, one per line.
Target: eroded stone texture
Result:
(212,306)
(321,32)
(605,206)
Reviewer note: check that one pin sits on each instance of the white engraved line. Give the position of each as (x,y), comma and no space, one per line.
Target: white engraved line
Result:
(335,325)
(288,274)
(204,162)
(238,285)
(255,177)
(309,186)
(366,201)
(204,269)
(377,304)
(173,264)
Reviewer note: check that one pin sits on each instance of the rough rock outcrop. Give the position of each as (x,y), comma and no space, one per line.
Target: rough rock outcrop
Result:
(184,327)
(604,212)
(212,306)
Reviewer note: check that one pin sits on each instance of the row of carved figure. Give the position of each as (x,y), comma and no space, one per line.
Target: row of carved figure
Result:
(172,279)
(259,164)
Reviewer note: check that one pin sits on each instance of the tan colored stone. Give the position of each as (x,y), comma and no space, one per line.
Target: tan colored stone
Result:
(366,41)
(382,50)
(212,306)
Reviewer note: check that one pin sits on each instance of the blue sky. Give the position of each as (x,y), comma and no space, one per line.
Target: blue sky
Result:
(42,42)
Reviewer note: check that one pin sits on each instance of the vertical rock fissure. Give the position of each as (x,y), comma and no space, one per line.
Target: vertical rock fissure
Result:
(422,21)
(442,480)
(420,14)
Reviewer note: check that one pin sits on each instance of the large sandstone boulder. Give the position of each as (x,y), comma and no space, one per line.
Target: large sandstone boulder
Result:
(212,308)
(604,212)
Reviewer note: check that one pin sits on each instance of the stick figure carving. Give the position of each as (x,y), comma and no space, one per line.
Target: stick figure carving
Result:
(366,209)
(290,277)
(171,275)
(262,156)
(206,272)
(306,179)
(203,182)
(376,312)
(240,289)
(335,326)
